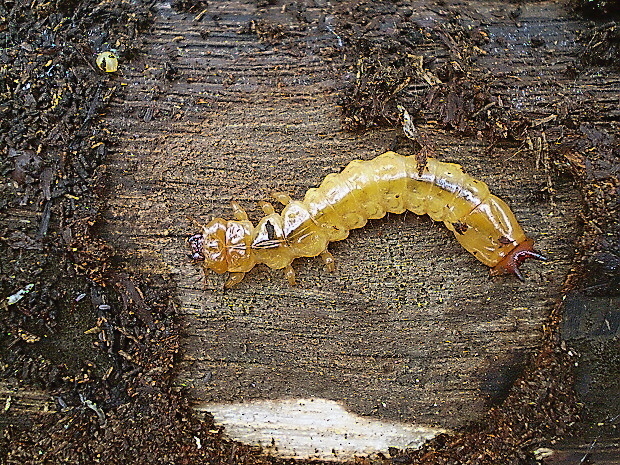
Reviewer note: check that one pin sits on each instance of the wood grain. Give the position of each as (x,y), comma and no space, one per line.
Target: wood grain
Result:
(410,327)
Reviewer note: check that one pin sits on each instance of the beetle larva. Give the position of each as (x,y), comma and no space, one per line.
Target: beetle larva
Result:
(364,190)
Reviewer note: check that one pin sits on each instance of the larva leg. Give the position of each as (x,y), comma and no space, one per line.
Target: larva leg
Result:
(234,278)
(238,212)
(281,197)
(328,259)
(289,274)
(267,208)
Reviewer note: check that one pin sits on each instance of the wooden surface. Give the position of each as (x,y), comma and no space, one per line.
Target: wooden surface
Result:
(410,327)
(20,405)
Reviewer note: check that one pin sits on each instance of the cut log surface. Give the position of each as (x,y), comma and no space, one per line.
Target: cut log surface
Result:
(410,327)
(21,405)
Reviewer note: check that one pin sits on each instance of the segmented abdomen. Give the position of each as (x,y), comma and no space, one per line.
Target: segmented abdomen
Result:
(393,183)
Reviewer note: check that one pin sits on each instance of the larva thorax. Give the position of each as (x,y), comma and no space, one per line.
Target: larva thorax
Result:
(365,190)
(237,246)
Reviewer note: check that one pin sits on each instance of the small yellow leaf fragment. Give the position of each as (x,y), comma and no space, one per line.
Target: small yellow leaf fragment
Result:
(107,61)
(28,337)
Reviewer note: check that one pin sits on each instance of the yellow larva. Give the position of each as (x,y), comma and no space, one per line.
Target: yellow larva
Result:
(107,61)
(364,190)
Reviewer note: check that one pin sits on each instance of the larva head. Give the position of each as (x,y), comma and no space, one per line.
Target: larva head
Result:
(210,246)
(510,263)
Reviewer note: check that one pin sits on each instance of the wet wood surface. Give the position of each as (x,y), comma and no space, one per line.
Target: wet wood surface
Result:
(410,327)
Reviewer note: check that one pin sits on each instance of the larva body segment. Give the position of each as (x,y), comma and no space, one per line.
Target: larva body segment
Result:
(481,222)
